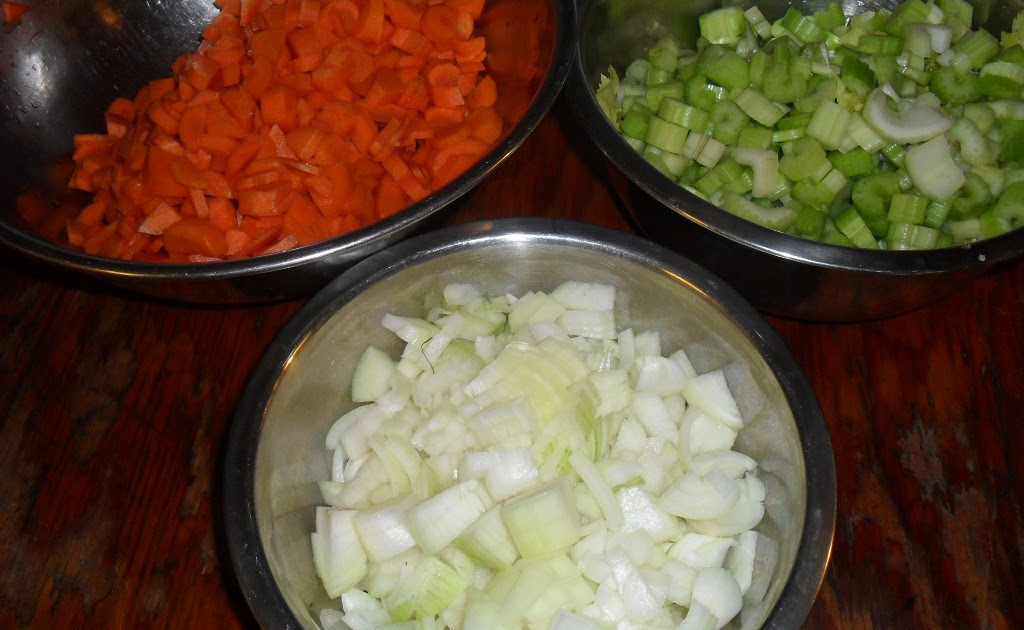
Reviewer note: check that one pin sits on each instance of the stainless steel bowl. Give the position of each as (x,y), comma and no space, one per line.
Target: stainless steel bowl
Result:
(275,452)
(65,61)
(778,273)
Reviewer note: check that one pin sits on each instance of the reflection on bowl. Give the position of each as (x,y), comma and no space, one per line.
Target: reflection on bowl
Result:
(63,63)
(276,455)
(780,274)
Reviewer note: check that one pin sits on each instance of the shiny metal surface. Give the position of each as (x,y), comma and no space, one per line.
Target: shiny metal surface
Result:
(67,59)
(275,452)
(780,274)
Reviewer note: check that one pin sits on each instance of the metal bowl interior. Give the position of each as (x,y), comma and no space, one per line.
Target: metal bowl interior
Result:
(63,63)
(275,452)
(780,274)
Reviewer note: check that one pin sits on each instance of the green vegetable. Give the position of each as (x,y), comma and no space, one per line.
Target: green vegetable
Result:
(892,129)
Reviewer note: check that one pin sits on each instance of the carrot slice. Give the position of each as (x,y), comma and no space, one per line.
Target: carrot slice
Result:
(195,236)
(13,11)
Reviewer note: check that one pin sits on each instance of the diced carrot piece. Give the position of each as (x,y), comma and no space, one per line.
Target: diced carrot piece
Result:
(195,236)
(258,77)
(309,11)
(287,242)
(304,141)
(389,197)
(278,107)
(159,219)
(223,213)
(485,124)
(186,173)
(485,94)
(192,126)
(239,243)
(264,200)
(444,25)
(370,26)
(405,13)
(157,175)
(409,41)
(13,11)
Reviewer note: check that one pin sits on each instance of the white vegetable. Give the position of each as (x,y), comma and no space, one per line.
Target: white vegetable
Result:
(525,464)
(916,123)
(589,296)
(717,591)
(440,519)
(337,553)
(384,530)
(543,522)
(710,393)
(932,169)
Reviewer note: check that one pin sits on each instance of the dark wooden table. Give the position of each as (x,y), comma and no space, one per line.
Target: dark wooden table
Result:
(114,410)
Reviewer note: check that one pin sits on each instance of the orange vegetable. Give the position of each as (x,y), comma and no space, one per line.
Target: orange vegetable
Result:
(13,11)
(294,121)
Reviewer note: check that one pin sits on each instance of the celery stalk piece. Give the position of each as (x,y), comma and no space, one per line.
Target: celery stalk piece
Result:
(723,26)
(828,125)
(933,170)
(776,218)
(918,123)
(853,227)
(756,105)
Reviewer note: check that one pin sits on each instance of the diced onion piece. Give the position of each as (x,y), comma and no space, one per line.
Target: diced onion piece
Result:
(599,487)
(660,375)
(338,556)
(544,521)
(384,530)
(717,590)
(440,519)
(696,497)
(589,296)
(488,541)
(710,393)
(425,591)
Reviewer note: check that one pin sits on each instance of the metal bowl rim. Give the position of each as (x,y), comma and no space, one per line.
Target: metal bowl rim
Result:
(244,543)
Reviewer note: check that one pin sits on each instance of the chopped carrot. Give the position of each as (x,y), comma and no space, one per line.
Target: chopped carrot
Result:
(292,122)
(162,217)
(195,236)
(13,11)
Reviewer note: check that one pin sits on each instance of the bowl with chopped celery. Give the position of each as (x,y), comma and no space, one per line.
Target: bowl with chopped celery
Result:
(529,423)
(831,161)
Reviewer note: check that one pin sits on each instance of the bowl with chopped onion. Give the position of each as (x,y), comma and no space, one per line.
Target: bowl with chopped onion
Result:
(529,423)
(832,161)
(226,151)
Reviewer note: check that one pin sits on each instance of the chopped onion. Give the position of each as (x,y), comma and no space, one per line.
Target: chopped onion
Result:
(524,463)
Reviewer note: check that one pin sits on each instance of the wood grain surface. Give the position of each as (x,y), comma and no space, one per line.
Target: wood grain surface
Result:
(114,410)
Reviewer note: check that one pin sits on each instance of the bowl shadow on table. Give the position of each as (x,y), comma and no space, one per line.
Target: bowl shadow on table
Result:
(780,274)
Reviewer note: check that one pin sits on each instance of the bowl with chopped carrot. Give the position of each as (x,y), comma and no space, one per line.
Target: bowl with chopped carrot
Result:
(246,150)
(832,161)
(528,423)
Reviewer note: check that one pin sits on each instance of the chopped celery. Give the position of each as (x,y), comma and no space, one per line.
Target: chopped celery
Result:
(915,89)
